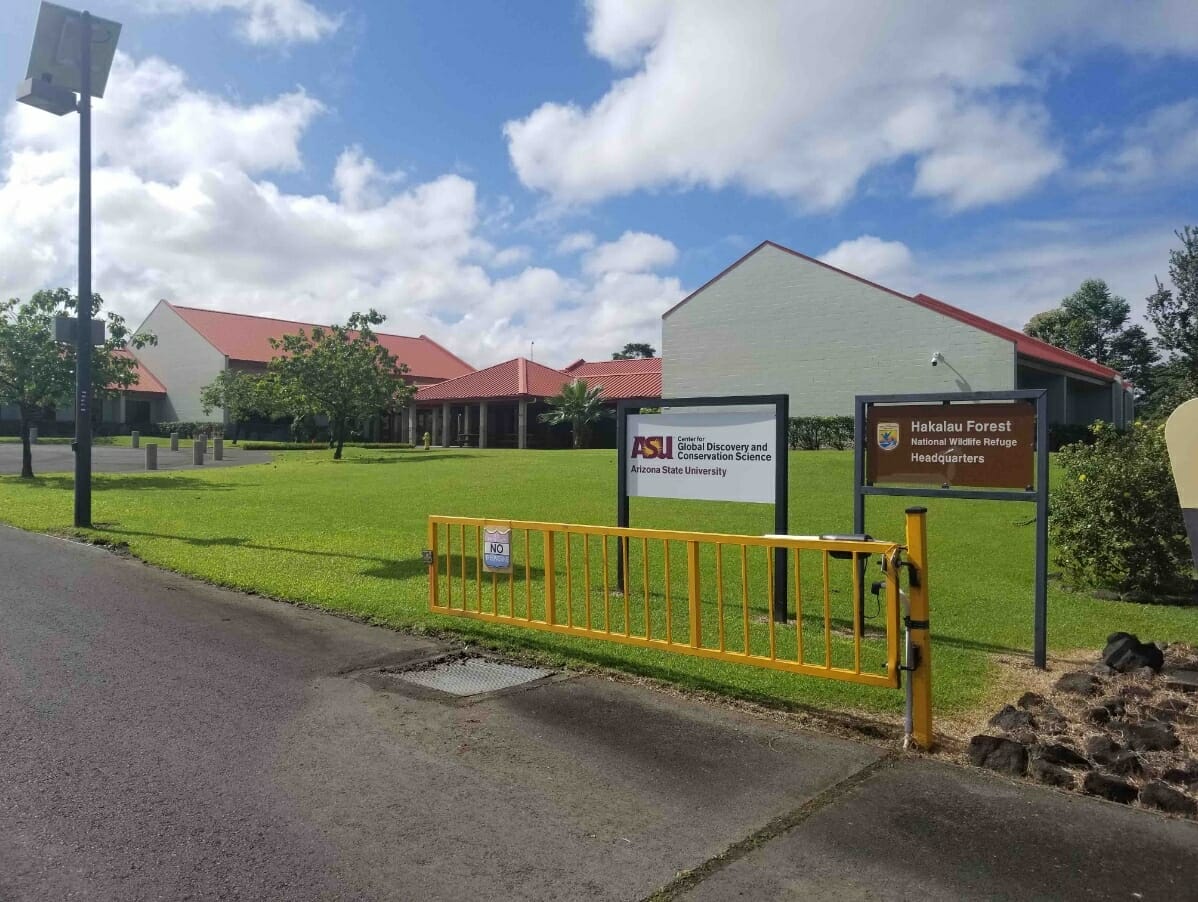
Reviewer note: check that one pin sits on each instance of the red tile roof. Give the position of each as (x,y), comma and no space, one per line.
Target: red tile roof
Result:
(522,378)
(147,383)
(243,337)
(621,379)
(518,378)
(1025,345)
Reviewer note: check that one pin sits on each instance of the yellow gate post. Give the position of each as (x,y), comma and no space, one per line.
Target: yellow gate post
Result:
(917,623)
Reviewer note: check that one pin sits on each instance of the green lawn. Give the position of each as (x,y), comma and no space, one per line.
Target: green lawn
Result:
(348,536)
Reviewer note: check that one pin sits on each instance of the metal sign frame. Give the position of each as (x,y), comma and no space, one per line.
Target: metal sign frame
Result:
(781,405)
(1038,494)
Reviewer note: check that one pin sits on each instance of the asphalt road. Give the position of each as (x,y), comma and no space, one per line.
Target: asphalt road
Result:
(59,458)
(161,739)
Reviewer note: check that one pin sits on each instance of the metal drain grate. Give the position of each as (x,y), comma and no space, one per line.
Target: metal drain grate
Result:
(472,676)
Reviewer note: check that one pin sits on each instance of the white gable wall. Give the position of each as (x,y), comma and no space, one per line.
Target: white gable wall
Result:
(183,361)
(778,323)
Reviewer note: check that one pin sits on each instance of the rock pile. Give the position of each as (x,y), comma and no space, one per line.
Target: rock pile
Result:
(1125,730)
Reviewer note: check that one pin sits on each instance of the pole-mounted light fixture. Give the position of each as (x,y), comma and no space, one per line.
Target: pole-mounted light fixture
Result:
(72,54)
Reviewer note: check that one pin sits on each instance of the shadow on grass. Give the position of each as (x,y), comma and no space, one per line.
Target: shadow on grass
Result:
(107,482)
(386,568)
(407,457)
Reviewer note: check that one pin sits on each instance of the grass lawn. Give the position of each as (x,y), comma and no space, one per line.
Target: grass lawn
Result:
(348,535)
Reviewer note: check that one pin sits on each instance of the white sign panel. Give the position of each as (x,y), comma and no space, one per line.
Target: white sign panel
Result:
(497,550)
(705,456)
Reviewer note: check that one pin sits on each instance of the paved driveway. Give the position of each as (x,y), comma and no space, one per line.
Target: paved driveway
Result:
(108,459)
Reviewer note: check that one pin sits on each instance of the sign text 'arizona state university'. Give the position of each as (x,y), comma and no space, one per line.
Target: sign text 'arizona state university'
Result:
(983,445)
(707,456)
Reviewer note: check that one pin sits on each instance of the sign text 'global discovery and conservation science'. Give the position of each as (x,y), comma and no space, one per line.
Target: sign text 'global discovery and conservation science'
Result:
(704,456)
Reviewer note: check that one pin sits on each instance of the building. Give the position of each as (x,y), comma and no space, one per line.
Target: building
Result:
(134,408)
(777,321)
(500,406)
(195,346)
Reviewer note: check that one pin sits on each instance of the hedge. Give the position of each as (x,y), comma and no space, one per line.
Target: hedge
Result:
(813,433)
(323,446)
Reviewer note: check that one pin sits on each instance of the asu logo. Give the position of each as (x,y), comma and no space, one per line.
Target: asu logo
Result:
(888,436)
(653,447)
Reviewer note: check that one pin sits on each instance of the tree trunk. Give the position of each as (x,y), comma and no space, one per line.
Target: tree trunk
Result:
(340,439)
(26,448)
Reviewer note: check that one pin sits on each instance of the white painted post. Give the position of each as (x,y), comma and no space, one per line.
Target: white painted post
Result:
(218,449)
(174,441)
(466,420)
(522,425)
(412,426)
(135,439)
(445,425)
(482,424)
(151,456)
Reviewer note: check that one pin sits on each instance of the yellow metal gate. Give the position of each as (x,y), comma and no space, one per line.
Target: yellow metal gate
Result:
(702,594)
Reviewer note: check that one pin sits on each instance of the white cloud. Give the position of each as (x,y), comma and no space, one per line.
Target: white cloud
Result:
(888,263)
(261,21)
(359,181)
(191,215)
(576,242)
(803,100)
(632,252)
(1161,147)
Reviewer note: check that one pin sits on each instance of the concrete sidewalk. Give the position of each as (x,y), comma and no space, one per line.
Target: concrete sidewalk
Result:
(162,739)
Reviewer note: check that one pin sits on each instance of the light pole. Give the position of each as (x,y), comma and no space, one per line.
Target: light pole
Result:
(72,53)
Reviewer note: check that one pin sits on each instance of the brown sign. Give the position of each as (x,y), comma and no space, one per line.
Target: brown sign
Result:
(984,445)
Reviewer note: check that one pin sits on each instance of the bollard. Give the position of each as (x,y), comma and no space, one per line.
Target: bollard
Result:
(174,441)
(919,642)
(218,449)
(151,456)
(135,439)
(197,454)
(33,435)
(202,441)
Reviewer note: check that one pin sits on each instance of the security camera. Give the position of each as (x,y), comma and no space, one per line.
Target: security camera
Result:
(936,358)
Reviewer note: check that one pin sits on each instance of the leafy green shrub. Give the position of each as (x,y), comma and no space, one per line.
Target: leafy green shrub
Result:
(1062,434)
(813,433)
(1116,520)
(323,446)
(189,429)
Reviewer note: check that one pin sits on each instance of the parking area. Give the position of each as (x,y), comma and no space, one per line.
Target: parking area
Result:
(59,458)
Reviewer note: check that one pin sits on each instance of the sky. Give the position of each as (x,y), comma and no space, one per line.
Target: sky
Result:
(516,178)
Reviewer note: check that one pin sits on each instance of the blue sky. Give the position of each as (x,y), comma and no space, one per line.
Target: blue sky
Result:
(306,158)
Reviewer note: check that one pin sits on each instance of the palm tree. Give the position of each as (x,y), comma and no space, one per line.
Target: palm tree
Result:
(578,406)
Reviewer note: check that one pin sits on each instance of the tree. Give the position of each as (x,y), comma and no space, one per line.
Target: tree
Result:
(240,395)
(578,406)
(37,373)
(340,372)
(1092,323)
(1174,312)
(635,350)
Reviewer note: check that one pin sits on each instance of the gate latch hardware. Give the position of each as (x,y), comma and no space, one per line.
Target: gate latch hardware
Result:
(426,557)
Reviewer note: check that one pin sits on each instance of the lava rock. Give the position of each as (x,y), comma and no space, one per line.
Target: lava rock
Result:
(1126,653)
(1184,775)
(1131,690)
(1143,674)
(1102,670)
(1166,798)
(998,754)
(1109,787)
(1030,700)
(1102,749)
(1078,682)
(1114,704)
(1011,718)
(1046,772)
(1126,764)
(1052,722)
(1055,753)
(1097,715)
(1182,680)
(1148,737)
